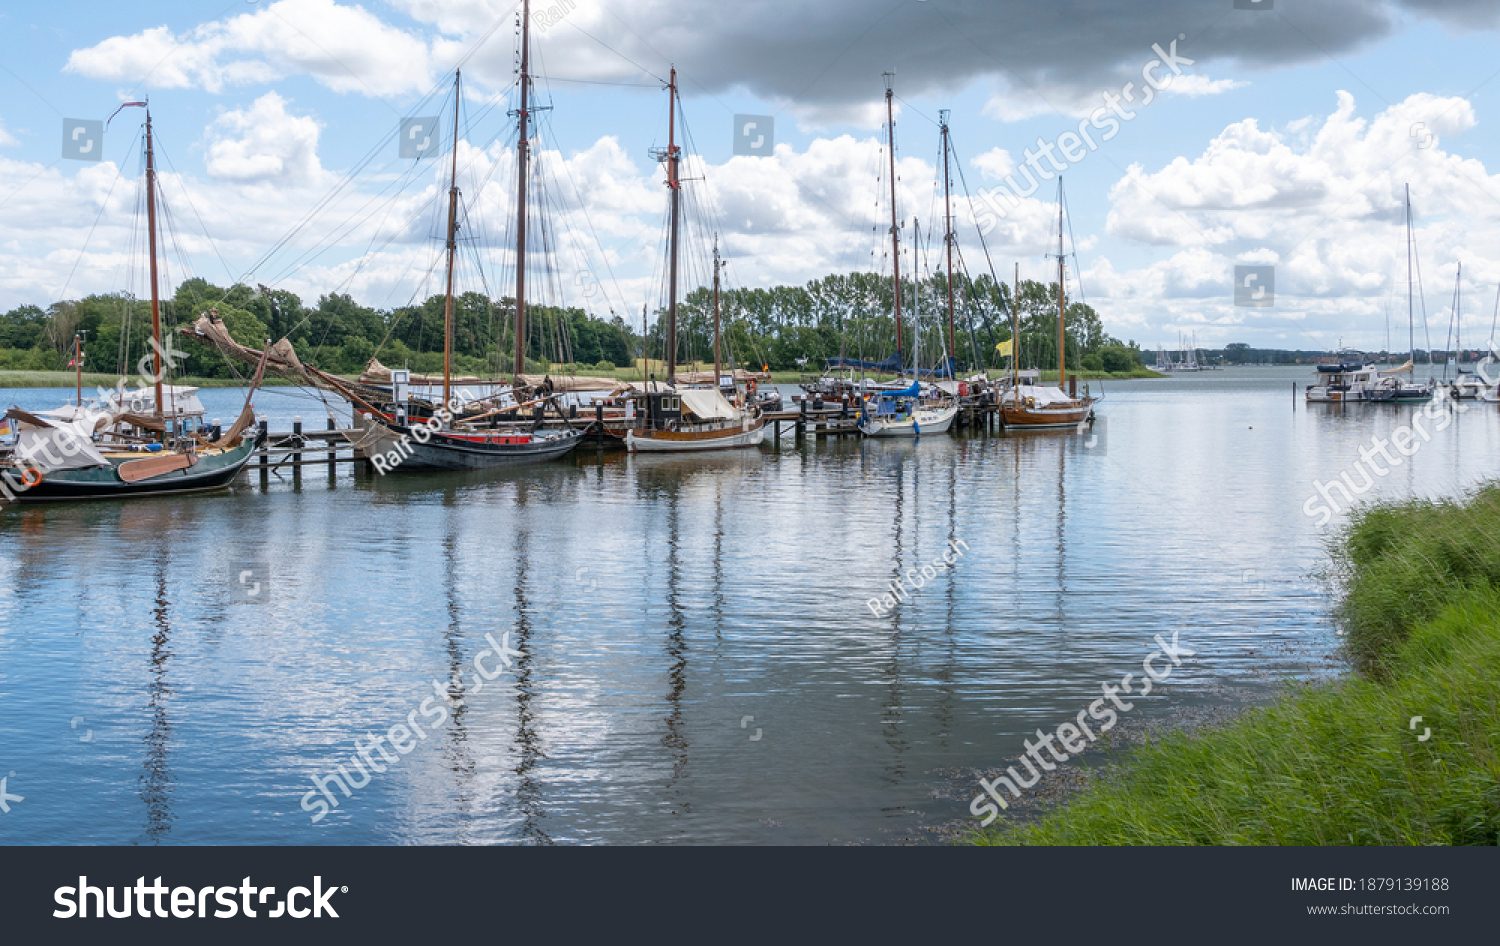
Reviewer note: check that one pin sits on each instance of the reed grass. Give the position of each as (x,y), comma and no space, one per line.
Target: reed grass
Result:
(1340,763)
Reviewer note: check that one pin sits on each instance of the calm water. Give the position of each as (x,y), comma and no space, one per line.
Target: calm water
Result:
(147,697)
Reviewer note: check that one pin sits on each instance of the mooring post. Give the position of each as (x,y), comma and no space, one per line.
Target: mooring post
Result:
(599,422)
(801,417)
(332,449)
(296,448)
(263,444)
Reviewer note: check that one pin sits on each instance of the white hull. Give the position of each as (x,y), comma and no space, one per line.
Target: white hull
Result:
(924,421)
(749,437)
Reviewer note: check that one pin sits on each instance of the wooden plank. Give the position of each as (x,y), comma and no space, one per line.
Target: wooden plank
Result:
(133,471)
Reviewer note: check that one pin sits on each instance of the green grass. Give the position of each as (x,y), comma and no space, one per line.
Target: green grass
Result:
(1338,763)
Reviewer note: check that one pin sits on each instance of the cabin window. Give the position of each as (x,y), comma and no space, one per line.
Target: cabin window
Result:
(671,404)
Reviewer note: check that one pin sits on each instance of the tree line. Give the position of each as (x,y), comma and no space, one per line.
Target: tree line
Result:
(778,327)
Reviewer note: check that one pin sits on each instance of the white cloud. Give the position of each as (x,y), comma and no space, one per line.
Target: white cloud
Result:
(345,48)
(1326,208)
(265,143)
(994,164)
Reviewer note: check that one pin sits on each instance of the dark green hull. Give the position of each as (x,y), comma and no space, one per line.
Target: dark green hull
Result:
(209,473)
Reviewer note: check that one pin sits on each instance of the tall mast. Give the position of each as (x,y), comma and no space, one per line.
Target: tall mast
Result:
(1411,332)
(1061,336)
(717,361)
(155,289)
(890,124)
(948,236)
(1015,331)
(523,154)
(452,247)
(675,186)
(1458,319)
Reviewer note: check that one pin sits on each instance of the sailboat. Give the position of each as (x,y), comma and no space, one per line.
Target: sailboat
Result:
(125,444)
(1466,385)
(444,443)
(1034,406)
(688,419)
(1347,379)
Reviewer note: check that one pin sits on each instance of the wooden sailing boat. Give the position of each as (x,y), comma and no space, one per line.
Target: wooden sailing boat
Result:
(90,456)
(1036,406)
(690,418)
(469,445)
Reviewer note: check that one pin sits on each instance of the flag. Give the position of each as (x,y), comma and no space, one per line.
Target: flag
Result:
(1004,347)
(5,428)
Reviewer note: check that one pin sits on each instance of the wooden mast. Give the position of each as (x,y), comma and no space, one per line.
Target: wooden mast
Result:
(948,237)
(675,186)
(452,247)
(717,360)
(1015,331)
(155,289)
(1061,336)
(890,124)
(523,154)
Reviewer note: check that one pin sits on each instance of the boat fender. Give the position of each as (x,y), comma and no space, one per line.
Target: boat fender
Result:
(30,477)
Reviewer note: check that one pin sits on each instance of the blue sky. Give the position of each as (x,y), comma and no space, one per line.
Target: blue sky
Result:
(263,108)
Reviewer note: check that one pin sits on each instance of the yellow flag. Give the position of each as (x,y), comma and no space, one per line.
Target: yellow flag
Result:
(1004,347)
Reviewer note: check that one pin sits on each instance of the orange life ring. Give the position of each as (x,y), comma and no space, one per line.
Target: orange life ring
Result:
(26,475)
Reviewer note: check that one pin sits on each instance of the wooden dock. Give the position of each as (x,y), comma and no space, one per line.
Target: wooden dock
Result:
(835,419)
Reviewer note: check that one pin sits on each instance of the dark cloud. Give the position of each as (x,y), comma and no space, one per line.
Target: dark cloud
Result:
(825,59)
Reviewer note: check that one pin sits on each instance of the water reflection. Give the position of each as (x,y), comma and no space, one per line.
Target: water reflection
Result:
(156,776)
(717,587)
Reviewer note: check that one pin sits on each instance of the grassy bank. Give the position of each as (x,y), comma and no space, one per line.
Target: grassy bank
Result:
(1341,763)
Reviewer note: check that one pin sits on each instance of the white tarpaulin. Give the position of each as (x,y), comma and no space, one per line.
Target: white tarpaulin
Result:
(56,448)
(708,404)
(1044,395)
